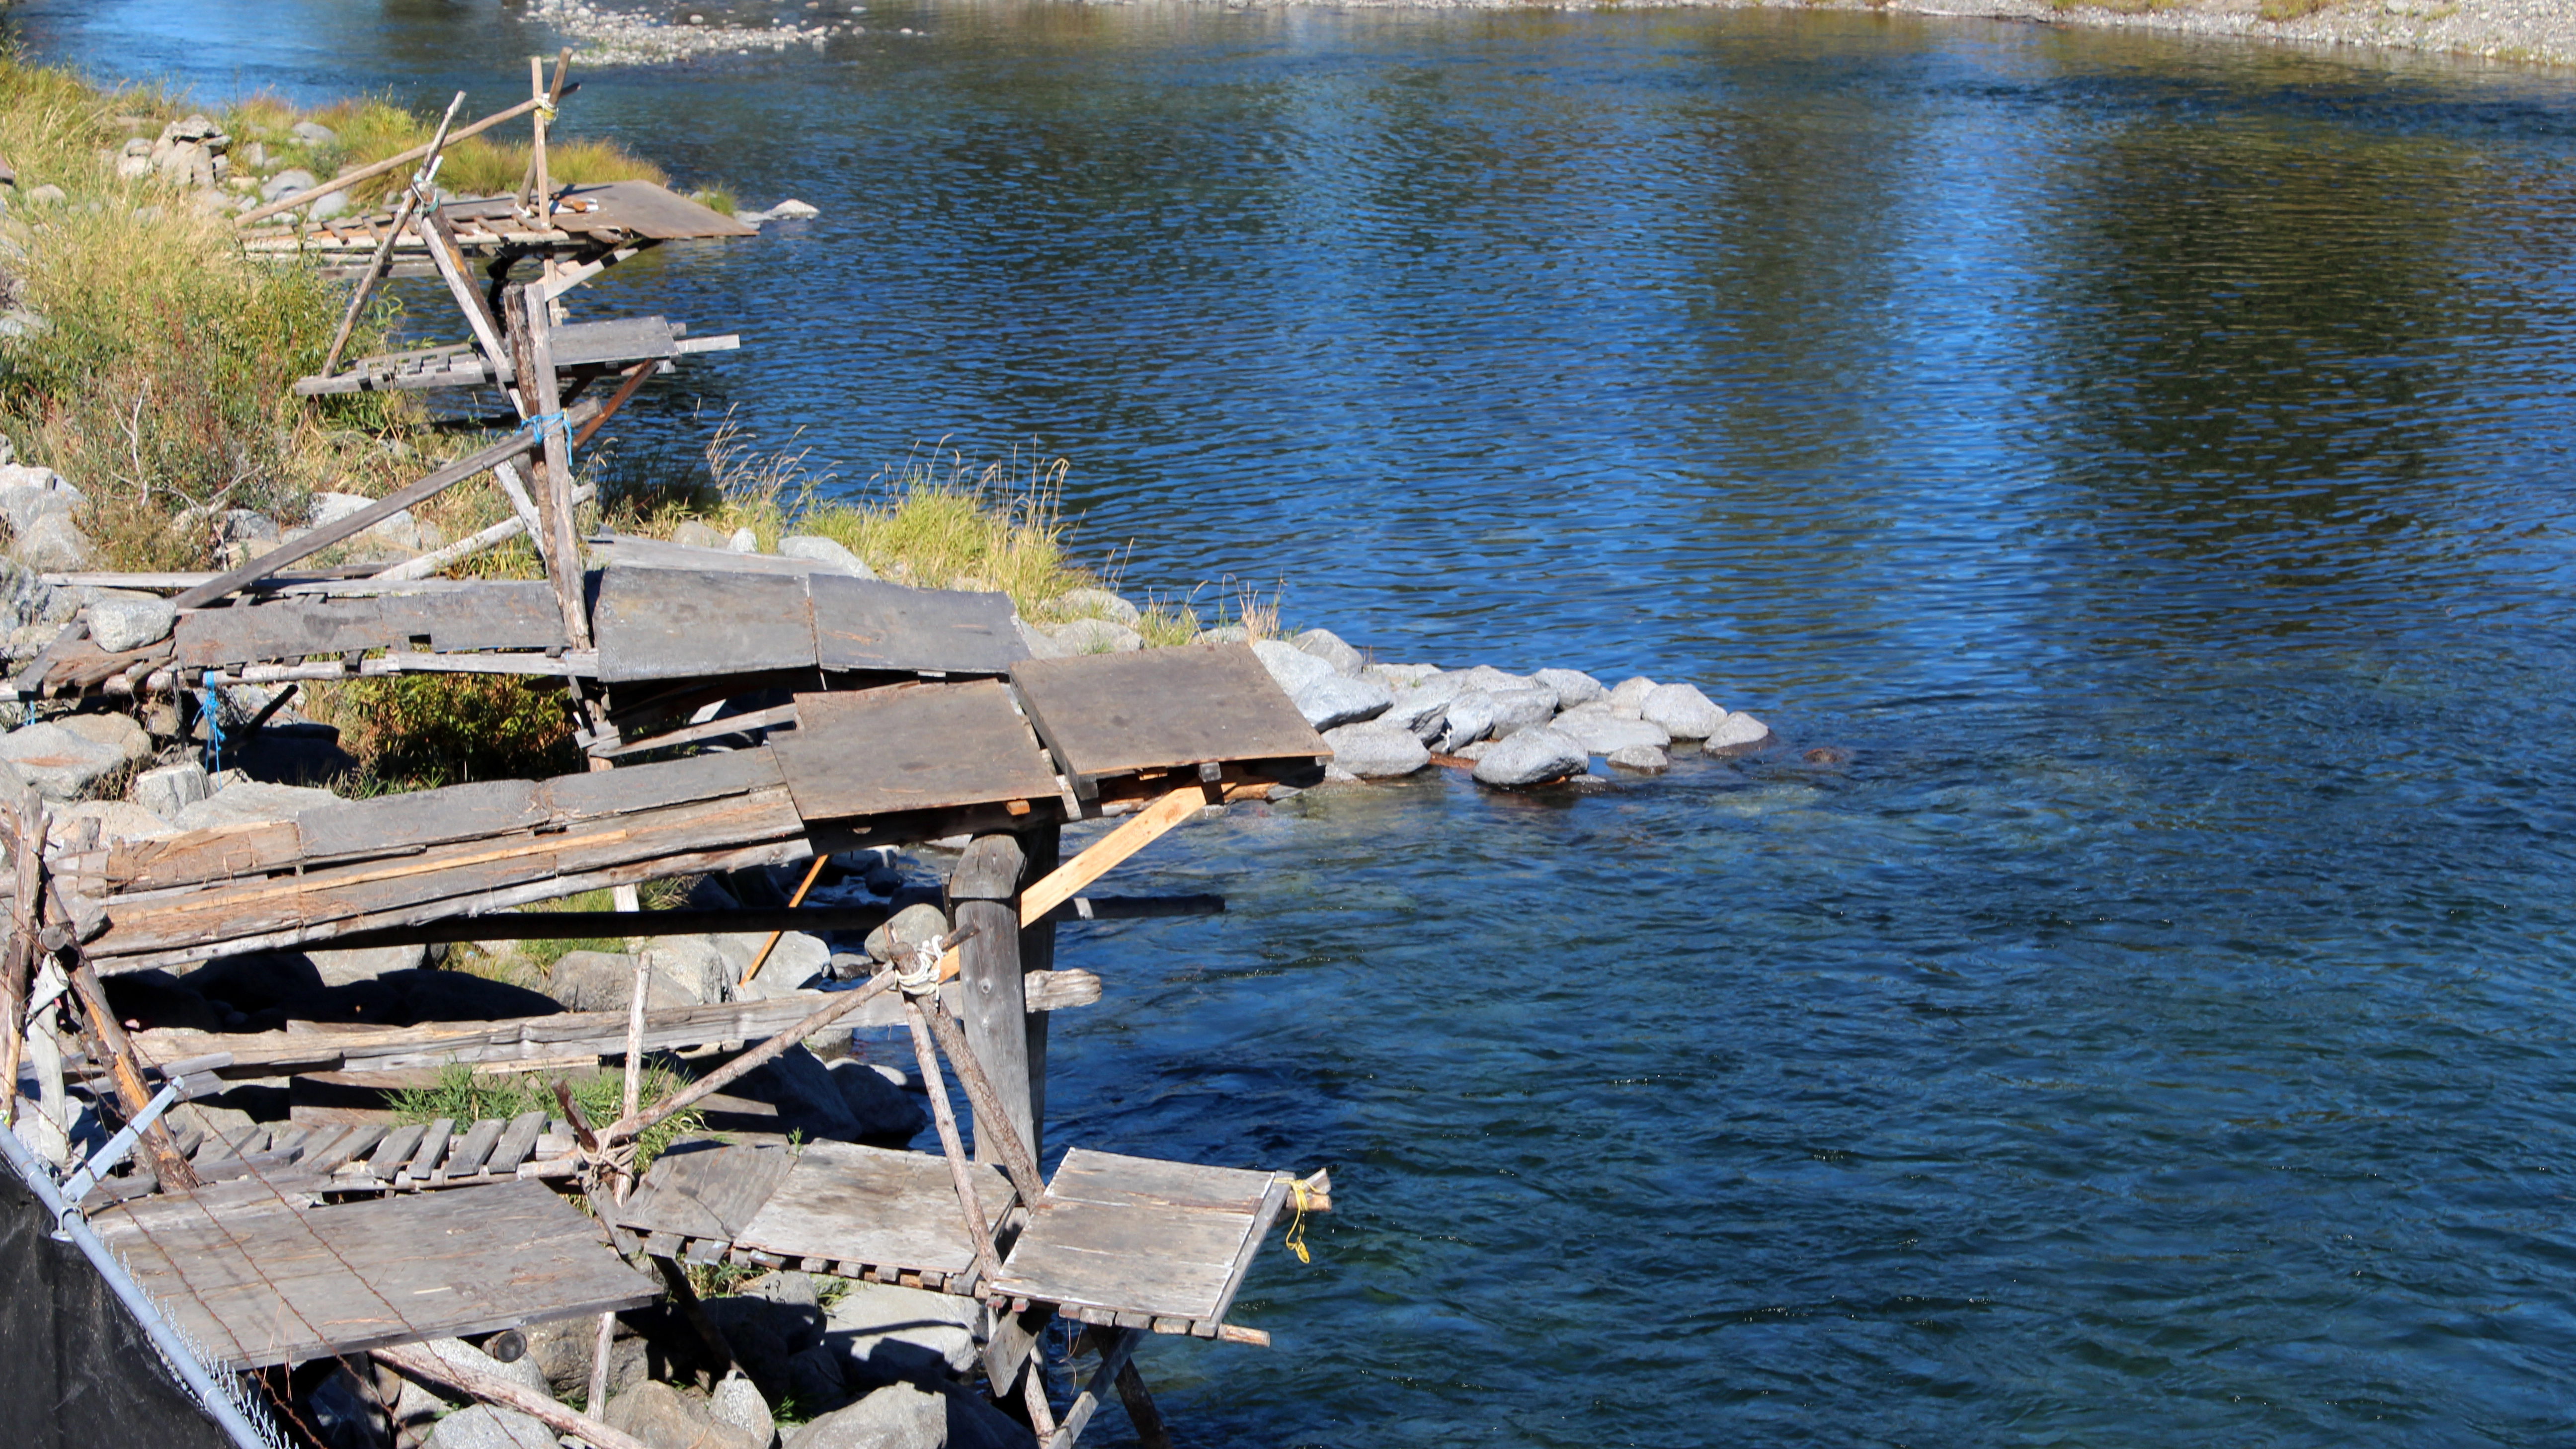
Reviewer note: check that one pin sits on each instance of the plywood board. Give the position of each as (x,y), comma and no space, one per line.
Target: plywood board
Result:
(871,624)
(1115,714)
(257,1287)
(869,1205)
(1136,1235)
(680,624)
(500,615)
(390,823)
(913,747)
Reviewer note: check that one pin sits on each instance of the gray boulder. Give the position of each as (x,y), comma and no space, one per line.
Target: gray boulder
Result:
(1040,643)
(1223,634)
(1572,686)
(1292,667)
(287,183)
(806,1094)
(1097,636)
(170,789)
(1640,759)
(457,1353)
(1470,718)
(340,968)
(1518,709)
(1602,732)
(1682,709)
(1377,751)
(885,1334)
(1399,677)
(905,1416)
(880,1108)
(692,969)
(737,1402)
(328,205)
(118,822)
(816,549)
(1326,645)
(1738,734)
(1628,697)
(481,1426)
(1532,757)
(54,544)
(59,762)
(814,1378)
(795,960)
(905,931)
(605,981)
(664,1418)
(114,729)
(1425,715)
(764,1335)
(1095,604)
(1495,681)
(1338,700)
(249,802)
(24,598)
(313,133)
(28,493)
(694,534)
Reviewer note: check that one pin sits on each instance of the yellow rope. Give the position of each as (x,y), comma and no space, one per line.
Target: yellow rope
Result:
(1297,1229)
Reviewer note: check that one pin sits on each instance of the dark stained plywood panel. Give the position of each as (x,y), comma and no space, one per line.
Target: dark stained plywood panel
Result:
(869,1205)
(1114,714)
(871,624)
(913,747)
(391,823)
(1137,1235)
(511,615)
(681,624)
(705,1190)
(259,1283)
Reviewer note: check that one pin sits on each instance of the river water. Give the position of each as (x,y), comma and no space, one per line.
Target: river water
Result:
(2149,460)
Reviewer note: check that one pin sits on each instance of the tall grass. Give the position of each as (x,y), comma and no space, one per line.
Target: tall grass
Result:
(370,130)
(463,1095)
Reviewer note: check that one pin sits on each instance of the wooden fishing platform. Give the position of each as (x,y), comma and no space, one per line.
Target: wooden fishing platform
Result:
(1127,1242)
(586,219)
(257,1277)
(583,350)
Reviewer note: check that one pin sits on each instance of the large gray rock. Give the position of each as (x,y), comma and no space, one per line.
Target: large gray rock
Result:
(693,533)
(1338,700)
(1326,645)
(130,622)
(54,544)
(1376,751)
(664,1418)
(1572,686)
(170,789)
(737,1402)
(1292,667)
(1682,709)
(690,967)
(114,729)
(1738,734)
(1399,677)
(457,1353)
(795,960)
(287,183)
(906,1416)
(118,823)
(1495,681)
(1641,759)
(313,133)
(1602,733)
(886,1334)
(814,1379)
(1095,604)
(481,1426)
(765,1334)
(882,1110)
(905,930)
(1470,718)
(1519,709)
(1097,636)
(817,549)
(24,598)
(1421,714)
(1628,697)
(605,981)
(58,762)
(28,493)
(250,802)
(1040,643)
(1532,757)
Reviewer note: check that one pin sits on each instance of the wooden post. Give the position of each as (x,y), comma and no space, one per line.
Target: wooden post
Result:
(123,1070)
(1043,847)
(984,893)
(532,346)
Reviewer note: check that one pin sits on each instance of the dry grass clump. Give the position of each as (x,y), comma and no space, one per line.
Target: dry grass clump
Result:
(370,130)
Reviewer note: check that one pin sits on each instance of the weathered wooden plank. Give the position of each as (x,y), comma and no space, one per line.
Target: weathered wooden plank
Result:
(467,1157)
(1114,1180)
(508,614)
(1114,714)
(433,1146)
(256,1289)
(870,624)
(666,782)
(674,624)
(914,747)
(626,551)
(320,1047)
(875,1206)
(222,853)
(518,1142)
(391,823)
(706,1190)
(358,1143)
(635,208)
(1137,1236)
(394,1154)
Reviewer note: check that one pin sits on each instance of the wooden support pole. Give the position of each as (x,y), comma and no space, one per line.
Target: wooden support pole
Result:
(122,1069)
(413,196)
(603,1348)
(991,1121)
(1113,1356)
(534,178)
(983,893)
(988,1264)
(812,873)
(27,826)
(1151,1431)
(1042,847)
(415,1361)
(1132,835)
(532,351)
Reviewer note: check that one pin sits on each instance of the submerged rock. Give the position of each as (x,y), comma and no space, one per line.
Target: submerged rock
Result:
(1640,759)
(1738,734)
(1604,733)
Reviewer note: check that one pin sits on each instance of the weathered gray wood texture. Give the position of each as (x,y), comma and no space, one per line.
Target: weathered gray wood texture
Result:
(497,615)
(629,208)
(262,1283)
(676,624)
(920,747)
(1132,1235)
(873,1207)
(870,624)
(669,612)
(613,343)
(1113,714)
(985,888)
(705,1189)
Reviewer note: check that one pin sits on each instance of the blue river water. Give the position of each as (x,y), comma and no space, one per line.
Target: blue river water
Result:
(2150,461)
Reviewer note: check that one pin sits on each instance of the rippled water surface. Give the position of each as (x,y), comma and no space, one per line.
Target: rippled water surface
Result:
(2151,462)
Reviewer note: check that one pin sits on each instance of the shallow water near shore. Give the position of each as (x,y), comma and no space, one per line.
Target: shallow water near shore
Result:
(2149,460)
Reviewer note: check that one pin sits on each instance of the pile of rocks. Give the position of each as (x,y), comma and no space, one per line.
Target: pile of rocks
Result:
(40,506)
(611,36)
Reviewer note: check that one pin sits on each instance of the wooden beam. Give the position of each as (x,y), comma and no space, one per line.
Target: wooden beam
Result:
(1132,835)
(1113,1356)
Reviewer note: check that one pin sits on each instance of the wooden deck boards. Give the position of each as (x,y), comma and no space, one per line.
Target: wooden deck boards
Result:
(1132,1235)
(925,747)
(1114,714)
(256,1286)
(874,1208)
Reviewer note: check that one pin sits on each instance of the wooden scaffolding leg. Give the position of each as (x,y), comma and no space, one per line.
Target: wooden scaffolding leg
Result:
(984,892)
(1114,1351)
(1151,1431)
(988,1265)
(533,358)
(1042,847)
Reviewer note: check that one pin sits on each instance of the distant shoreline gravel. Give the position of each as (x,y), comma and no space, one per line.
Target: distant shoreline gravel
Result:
(2515,33)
